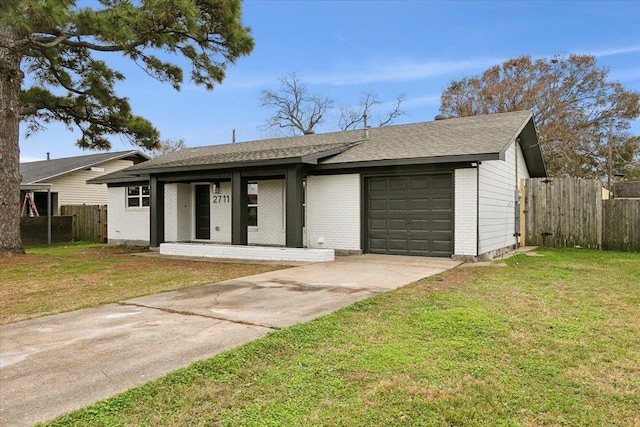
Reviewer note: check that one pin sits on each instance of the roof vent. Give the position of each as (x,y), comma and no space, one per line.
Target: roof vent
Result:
(441,117)
(309,132)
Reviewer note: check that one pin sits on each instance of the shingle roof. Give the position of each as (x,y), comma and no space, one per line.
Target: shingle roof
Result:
(461,139)
(34,172)
(441,138)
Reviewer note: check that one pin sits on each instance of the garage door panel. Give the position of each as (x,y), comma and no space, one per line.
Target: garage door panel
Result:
(398,244)
(441,225)
(377,184)
(421,204)
(410,215)
(442,204)
(396,184)
(419,182)
(398,205)
(377,205)
(397,225)
(441,182)
(378,244)
(420,245)
(377,224)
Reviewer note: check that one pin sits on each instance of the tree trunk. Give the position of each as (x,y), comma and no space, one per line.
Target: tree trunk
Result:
(10,81)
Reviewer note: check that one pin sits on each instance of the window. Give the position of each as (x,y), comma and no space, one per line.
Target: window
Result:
(138,196)
(252,205)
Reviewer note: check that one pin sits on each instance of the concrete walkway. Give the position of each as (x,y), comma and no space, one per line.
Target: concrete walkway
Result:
(56,364)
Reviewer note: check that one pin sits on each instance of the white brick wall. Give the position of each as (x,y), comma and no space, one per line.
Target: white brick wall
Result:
(184,212)
(271,217)
(177,212)
(221,215)
(333,212)
(465,212)
(126,225)
(171,213)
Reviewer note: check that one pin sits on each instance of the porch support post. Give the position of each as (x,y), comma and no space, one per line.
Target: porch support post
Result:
(239,210)
(156,211)
(294,208)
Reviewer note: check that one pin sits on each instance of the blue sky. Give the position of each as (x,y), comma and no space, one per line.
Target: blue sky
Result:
(342,48)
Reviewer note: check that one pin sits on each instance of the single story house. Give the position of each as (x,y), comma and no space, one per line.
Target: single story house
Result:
(446,188)
(66,178)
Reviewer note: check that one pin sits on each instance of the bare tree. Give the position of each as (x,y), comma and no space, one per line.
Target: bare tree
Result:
(577,109)
(352,117)
(296,110)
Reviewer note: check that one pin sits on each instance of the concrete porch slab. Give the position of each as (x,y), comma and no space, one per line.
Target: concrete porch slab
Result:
(249,253)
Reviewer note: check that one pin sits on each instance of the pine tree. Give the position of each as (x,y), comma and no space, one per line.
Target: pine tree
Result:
(55,43)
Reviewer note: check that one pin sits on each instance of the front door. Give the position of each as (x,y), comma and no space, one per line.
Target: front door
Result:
(203,212)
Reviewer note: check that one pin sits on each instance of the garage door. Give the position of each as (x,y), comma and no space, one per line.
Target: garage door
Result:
(410,215)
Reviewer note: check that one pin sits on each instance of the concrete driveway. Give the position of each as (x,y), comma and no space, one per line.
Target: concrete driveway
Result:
(55,364)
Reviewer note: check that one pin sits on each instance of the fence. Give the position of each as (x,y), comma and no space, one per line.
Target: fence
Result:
(34,230)
(621,228)
(569,212)
(89,222)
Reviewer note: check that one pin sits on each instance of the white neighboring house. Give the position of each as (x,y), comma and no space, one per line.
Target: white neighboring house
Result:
(67,178)
(445,188)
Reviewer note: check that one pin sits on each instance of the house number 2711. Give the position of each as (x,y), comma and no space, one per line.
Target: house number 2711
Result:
(221,199)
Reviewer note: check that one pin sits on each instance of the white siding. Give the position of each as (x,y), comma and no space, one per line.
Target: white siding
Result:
(466,219)
(126,225)
(271,219)
(333,212)
(497,194)
(523,171)
(72,188)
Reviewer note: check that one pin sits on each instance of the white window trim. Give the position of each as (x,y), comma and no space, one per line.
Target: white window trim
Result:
(140,197)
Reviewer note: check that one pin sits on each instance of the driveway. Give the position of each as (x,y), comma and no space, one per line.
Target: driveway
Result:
(56,364)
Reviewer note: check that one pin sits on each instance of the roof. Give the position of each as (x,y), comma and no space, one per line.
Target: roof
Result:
(627,190)
(36,172)
(463,139)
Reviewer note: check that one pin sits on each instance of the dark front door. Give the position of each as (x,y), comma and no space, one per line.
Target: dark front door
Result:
(410,215)
(203,212)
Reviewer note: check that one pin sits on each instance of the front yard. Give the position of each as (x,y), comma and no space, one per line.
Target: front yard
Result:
(53,279)
(551,340)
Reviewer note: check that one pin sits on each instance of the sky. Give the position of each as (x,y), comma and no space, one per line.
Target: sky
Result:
(341,49)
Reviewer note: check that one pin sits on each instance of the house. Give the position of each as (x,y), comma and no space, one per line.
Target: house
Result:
(445,188)
(66,178)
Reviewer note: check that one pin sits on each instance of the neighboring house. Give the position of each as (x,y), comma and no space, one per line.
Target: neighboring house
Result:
(442,188)
(66,178)
(626,190)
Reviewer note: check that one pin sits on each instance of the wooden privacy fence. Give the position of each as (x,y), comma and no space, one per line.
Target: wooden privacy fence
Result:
(621,228)
(569,212)
(89,222)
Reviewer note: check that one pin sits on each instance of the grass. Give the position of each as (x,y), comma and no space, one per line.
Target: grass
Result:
(544,341)
(57,278)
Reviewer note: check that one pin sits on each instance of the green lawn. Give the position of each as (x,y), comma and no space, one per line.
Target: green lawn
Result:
(551,340)
(65,277)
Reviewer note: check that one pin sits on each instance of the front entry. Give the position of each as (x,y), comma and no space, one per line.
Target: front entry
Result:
(203,212)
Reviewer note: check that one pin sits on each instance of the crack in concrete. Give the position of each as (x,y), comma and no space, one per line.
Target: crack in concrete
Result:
(188,313)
